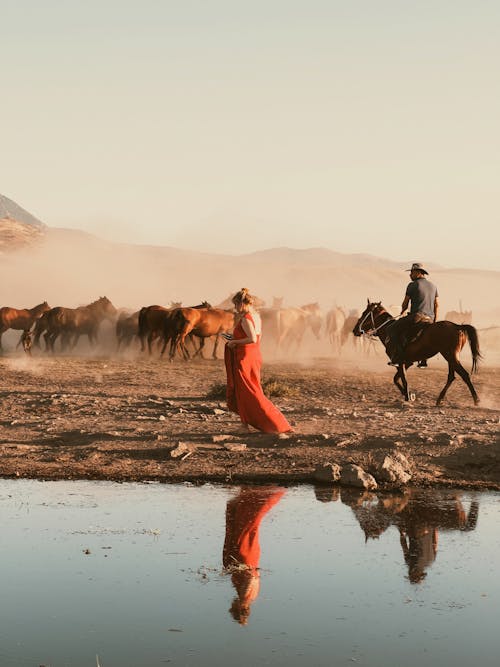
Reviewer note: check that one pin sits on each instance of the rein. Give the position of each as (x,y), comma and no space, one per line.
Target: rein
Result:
(374,329)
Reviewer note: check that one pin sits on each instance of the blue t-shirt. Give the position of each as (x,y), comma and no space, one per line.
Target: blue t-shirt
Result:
(422,294)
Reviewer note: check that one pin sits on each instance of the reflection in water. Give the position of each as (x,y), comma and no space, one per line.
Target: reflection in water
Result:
(241,552)
(417,514)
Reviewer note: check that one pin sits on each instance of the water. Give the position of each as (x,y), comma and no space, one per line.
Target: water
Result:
(134,574)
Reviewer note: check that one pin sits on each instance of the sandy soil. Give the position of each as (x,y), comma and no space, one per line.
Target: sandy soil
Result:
(69,418)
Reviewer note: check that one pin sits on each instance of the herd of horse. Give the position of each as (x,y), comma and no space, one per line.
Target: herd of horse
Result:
(185,331)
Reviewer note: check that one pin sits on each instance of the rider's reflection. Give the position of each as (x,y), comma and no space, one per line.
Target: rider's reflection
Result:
(241,552)
(418,515)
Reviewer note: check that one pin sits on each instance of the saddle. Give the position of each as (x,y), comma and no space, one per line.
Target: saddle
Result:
(416,330)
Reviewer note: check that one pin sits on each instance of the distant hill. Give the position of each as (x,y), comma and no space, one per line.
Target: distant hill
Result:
(71,267)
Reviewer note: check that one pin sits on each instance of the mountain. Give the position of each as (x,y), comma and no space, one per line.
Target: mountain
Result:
(71,267)
(18,228)
(9,210)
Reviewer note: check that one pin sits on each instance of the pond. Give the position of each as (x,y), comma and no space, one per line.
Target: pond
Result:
(139,575)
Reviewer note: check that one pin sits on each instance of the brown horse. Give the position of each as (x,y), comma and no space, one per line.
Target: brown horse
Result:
(153,322)
(157,323)
(12,318)
(71,323)
(40,327)
(201,322)
(445,338)
(127,327)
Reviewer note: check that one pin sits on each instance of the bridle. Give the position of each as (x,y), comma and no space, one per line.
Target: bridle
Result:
(374,328)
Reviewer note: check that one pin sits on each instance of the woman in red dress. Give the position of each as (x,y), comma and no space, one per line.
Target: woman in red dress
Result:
(241,553)
(243,363)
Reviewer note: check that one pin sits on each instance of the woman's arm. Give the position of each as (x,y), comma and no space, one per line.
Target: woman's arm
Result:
(251,334)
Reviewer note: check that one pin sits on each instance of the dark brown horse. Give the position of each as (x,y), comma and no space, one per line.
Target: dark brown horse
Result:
(154,323)
(71,323)
(445,338)
(40,327)
(12,318)
(127,328)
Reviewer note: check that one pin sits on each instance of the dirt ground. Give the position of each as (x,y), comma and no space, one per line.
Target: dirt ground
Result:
(137,419)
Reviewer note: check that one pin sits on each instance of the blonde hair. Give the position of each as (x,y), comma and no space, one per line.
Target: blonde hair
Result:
(243,296)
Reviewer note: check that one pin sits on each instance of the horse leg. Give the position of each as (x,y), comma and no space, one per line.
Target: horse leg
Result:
(451,378)
(173,347)
(398,384)
(199,351)
(164,346)
(150,342)
(466,378)
(183,347)
(216,345)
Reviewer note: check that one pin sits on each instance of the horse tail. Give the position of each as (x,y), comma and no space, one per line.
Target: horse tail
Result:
(471,333)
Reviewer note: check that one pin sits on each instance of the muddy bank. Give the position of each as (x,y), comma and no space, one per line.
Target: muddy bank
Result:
(133,420)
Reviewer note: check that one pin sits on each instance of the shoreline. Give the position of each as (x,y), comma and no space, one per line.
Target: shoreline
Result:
(145,421)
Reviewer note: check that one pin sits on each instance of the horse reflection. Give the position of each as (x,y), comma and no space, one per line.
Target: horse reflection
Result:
(418,515)
(241,553)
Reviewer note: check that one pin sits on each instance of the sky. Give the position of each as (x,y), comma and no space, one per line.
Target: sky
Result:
(232,126)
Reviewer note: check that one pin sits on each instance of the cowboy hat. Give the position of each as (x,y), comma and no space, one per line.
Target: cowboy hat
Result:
(416,266)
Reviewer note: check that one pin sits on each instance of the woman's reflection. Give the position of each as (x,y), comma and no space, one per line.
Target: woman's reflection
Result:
(241,552)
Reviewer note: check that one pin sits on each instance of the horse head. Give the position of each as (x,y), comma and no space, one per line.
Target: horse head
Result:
(106,308)
(367,322)
(39,310)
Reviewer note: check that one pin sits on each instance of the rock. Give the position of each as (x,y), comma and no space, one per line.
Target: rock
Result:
(162,418)
(353,475)
(235,446)
(394,469)
(283,436)
(218,411)
(181,449)
(326,473)
(223,437)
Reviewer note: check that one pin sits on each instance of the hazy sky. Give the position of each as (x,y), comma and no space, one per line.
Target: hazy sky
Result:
(361,125)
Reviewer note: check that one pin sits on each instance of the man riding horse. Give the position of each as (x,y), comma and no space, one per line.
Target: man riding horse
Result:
(423,297)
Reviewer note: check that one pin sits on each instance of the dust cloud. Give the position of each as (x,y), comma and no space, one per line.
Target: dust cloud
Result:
(71,268)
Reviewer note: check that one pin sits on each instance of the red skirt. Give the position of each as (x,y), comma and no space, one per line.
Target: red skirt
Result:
(244,392)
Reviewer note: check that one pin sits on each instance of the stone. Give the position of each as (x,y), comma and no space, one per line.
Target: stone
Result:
(394,469)
(223,437)
(218,411)
(181,449)
(353,475)
(326,473)
(235,446)
(162,418)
